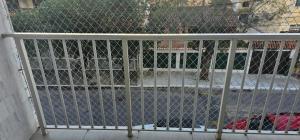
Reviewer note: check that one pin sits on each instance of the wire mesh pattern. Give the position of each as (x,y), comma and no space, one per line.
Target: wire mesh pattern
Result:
(169,89)
(175,84)
(154,16)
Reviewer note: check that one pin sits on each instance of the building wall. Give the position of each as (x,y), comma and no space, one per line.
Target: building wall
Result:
(284,21)
(281,23)
(292,17)
(17,119)
(238,5)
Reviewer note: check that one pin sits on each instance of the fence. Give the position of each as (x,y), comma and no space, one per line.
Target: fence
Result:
(154,16)
(98,81)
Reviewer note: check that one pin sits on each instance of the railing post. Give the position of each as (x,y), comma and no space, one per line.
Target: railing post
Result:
(226,88)
(113,92)
(294,61)
(127,86)
(142,83)
(31,84)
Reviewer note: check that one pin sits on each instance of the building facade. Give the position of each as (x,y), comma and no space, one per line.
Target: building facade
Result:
(269,16)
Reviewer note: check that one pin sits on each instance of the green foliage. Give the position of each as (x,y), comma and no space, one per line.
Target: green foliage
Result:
(218,2)
(191,19)
(121,16)
(81,16)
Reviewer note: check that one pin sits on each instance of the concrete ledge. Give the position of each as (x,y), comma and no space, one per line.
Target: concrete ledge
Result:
(149,135)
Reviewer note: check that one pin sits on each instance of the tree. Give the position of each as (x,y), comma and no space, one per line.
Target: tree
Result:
(174,18)
(128,16)
(85,16)
(262,13)
(81,16)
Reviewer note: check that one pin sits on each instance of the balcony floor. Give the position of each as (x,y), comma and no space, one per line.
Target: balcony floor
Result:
(149,135)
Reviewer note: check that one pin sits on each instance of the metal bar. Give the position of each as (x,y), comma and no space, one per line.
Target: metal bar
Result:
(285,89)
(265,133)
(271,85)
(177,60)
(31,84)
(113,92)
(197,85)
(58,82)
(182,85)
(211,84)
(262,62)
(71,81)
(226,89)
(142,84)
(127,86)
(166,86)
(86,88)
(99,83)
(248,59)
(297,95)
(169,84)
(155,86)
(45,81)
(105,36)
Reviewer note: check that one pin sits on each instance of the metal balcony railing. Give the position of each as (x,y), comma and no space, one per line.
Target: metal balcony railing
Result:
(143,82)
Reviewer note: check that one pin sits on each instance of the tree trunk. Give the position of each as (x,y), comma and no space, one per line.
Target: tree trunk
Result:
(206,60)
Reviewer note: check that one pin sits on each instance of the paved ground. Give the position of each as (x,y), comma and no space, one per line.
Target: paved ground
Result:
(148,135)
(250,80)
(149,105)
(162,82)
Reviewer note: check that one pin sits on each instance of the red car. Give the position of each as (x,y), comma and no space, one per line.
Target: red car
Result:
(268,123)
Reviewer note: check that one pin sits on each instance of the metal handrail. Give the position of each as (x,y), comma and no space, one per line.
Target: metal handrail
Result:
(122,36)
(265,37)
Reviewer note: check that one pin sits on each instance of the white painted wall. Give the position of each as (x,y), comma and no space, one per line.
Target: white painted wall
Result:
(17,119)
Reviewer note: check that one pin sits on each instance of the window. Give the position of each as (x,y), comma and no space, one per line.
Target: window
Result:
(191,60)
(239,61)
(244,18)
(221,61)
(297,2)
(294,28)
(246,4)
(163,60)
